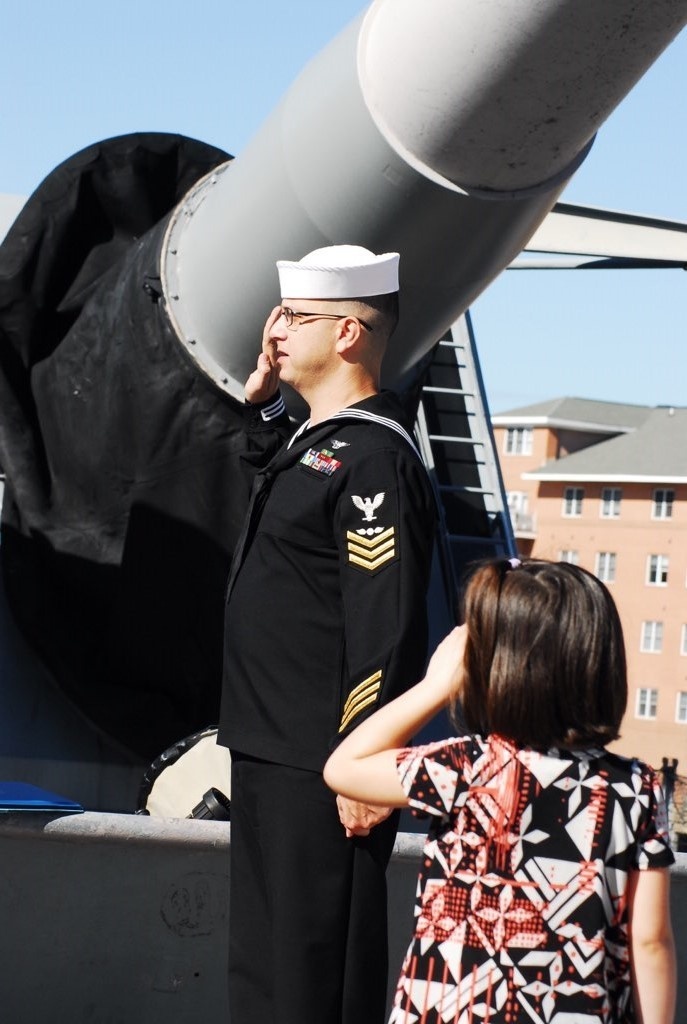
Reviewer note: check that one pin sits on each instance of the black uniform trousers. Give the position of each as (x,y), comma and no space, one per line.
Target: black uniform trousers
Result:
(308,905)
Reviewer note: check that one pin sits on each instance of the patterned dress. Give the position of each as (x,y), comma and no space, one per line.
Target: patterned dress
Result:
(521,912)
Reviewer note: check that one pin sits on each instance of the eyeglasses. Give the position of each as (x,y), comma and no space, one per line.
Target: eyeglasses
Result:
(291,315)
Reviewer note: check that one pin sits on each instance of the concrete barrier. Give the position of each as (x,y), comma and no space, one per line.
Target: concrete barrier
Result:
(122,919)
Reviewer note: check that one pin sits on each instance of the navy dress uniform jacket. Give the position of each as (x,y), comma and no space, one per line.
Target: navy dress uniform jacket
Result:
(326,602)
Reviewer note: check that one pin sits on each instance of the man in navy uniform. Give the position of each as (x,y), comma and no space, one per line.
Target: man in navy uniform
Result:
(325,620)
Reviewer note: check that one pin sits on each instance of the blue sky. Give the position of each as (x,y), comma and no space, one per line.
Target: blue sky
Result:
(77,71)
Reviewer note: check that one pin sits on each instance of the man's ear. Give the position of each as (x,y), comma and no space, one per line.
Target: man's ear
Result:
(349,333)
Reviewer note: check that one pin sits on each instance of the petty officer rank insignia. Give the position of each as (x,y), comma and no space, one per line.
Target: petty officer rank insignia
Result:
(370,547)
(321,462)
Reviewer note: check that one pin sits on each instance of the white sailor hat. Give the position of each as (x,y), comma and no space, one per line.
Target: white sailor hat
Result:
(339,272)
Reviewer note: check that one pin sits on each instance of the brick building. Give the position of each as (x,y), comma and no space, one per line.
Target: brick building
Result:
(605,485)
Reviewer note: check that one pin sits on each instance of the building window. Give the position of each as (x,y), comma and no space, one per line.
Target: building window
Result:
(518,441)
(652,637)
(657,570)
(647,702)
(605,566)
(663,504)
(681,707)
(683,641)
(518,507)
(518,501)
(610,502)
(572,501)
(569,555)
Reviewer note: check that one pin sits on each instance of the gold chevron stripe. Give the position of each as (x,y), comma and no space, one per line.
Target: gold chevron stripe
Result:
(371,553)
(370,566)
(355,549)
(374,678)
(373,541)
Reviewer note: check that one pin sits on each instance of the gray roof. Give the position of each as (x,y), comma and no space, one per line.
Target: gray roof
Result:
(655,452)
(580,413)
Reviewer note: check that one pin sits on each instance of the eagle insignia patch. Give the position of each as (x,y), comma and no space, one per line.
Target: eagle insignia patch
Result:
(368,505)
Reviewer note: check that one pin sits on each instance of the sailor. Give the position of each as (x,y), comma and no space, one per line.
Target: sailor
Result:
(325,620)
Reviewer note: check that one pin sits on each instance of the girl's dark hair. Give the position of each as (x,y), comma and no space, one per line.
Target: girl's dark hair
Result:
(545,657)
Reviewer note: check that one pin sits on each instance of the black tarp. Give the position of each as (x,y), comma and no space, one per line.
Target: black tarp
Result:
(125,480)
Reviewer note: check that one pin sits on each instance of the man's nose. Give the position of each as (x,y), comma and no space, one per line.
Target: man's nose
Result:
(278,328)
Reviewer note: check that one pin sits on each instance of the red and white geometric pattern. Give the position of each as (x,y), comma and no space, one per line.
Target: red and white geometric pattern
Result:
(521,914)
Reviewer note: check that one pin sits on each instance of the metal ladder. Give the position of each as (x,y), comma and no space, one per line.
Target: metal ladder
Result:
(455,437)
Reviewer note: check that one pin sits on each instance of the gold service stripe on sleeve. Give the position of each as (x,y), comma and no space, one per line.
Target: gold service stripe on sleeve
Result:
(345,721)
(374,678)
(361,696)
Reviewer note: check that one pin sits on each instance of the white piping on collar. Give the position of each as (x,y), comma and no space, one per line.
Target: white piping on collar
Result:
(362,414)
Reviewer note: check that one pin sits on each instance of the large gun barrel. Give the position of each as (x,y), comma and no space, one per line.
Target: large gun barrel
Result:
(444,131)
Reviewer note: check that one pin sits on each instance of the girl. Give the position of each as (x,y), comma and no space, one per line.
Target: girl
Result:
(543,895)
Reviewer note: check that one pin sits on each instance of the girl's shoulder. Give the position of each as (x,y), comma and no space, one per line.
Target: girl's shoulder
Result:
(457,753)
(471,753)
(618,765)
(474,748)
(451,747)
(474,745)
(624,777)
